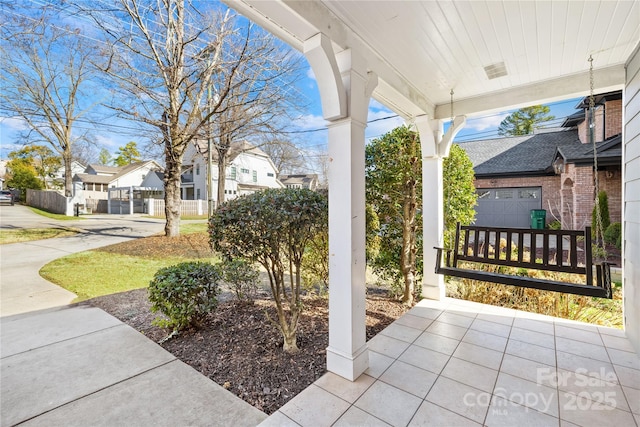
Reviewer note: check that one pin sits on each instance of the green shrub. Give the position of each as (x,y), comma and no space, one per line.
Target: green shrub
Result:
(315,263)
(603,203)
(185,293)
(555,225)
(242,276)
(612,233)
(619,241)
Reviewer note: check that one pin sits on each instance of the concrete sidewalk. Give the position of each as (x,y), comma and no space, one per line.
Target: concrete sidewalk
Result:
(79,366)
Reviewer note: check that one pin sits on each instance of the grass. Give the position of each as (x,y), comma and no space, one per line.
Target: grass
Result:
(128,265)
(27,235)
(54,216)
(93,273)
(193,227)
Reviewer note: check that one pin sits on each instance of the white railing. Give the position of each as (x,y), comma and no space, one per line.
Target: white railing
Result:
(187,207)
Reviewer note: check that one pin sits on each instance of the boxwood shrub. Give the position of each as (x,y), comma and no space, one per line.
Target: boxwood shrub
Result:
(185,293)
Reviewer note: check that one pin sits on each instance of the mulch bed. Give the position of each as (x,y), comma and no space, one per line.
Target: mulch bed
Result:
(240,349)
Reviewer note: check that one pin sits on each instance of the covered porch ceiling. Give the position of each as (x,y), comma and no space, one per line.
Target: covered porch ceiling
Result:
(495,55)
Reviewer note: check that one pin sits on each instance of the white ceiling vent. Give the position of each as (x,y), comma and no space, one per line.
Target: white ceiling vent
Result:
(495,70)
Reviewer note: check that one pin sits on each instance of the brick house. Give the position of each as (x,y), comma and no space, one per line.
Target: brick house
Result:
(551,170)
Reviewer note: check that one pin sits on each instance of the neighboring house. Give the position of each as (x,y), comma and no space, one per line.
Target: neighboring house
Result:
(551,170)
(250,169)
(154,179)
(56,180)
(309,181)
(100,178)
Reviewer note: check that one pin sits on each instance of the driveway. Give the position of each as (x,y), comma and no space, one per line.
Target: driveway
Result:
(21,286)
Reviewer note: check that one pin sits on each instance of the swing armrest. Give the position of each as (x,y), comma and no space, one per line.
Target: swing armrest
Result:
(439,257)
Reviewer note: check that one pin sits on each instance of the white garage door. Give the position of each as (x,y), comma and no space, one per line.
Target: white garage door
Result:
(507,207)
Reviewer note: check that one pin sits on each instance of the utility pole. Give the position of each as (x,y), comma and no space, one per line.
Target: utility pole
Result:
(209,157)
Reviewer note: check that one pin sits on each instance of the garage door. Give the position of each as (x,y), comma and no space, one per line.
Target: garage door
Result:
(507,207)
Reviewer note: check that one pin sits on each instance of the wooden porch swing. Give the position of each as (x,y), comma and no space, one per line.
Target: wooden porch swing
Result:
(549,250)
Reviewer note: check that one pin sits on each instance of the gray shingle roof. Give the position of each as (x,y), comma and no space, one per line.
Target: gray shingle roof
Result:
(534,154)
(531,154)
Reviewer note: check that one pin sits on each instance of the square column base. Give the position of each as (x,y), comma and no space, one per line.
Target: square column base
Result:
(433,292)
(348,366)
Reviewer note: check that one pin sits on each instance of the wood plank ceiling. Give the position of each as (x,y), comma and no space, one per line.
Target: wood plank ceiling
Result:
(434,46)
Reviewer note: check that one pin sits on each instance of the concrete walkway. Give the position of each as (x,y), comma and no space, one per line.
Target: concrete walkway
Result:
(79,366)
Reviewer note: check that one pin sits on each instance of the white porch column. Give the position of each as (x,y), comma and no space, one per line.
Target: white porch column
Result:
(130,200)
(345,89)
(432,197)
(435,146)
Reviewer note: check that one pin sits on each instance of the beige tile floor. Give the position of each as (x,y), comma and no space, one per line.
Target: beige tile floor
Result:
(458,363)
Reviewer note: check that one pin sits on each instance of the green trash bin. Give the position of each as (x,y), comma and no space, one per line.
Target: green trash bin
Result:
(538,218)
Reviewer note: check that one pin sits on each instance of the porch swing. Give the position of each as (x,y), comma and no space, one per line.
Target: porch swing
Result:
(550,250)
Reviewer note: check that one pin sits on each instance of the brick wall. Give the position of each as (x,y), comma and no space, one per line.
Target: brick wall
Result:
(611,182)
(599,132)
(613,118)
(608,122)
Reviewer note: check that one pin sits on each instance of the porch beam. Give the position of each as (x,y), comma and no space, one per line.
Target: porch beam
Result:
(571,86)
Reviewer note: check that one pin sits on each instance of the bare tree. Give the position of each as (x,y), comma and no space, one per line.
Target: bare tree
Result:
(46,79)
(285,155)
(185,71)
(260,98)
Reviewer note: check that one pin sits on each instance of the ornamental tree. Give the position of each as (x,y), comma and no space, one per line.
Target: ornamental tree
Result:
(393,190)
(273,228)
(459,196)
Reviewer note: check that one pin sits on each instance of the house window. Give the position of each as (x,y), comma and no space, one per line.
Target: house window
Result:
(243,170)
(233,172)
(528,194)
(269,174)
(504,194)
(198,169)
(198,193)
(255,176)
(483,194)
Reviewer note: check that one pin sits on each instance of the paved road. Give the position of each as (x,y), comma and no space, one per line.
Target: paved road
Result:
(21,287)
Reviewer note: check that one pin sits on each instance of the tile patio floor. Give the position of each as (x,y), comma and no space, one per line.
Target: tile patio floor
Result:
(458,363)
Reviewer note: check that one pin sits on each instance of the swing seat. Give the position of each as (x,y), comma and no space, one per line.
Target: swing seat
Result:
(550,250)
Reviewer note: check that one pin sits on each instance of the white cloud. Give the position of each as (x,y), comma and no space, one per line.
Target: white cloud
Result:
(106,142)
(380,127)
(14,123)
(310,121)
(310,74)
(482,123)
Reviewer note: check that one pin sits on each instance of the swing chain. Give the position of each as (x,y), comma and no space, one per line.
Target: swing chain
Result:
(592,103)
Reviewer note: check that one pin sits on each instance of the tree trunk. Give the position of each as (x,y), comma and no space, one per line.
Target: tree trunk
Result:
(408,247)
(68,178)
(172,197)
(223,151)
(222,172)
(290,345)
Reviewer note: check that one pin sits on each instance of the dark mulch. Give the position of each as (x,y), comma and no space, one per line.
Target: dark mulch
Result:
(240,349)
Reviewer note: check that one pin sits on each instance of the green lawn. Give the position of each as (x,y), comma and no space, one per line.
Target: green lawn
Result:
(193,227)
(27,235)
(91,274)
(54,216)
